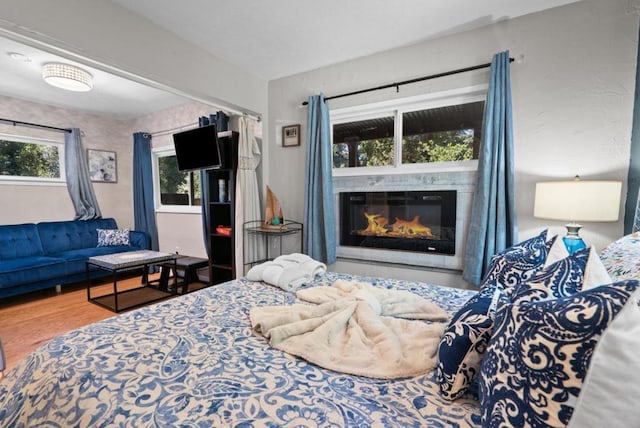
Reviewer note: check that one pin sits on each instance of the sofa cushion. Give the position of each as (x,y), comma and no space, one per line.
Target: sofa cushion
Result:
(27,270)
(59,236)
(19,240)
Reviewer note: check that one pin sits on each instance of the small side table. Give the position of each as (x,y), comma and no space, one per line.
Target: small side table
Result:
(291,228)
(187,265)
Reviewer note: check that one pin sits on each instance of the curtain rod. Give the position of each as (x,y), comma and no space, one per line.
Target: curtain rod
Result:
(34,125)
(405,82)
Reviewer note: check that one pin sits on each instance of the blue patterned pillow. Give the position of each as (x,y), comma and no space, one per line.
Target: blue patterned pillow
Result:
(518,263)
(560,279)
(464,341)
(110,237)
(539,354)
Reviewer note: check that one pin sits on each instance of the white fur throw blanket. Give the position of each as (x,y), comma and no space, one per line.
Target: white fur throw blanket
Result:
(288,272)
(356,328)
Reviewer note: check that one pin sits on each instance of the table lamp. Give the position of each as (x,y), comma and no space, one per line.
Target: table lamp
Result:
(577,200)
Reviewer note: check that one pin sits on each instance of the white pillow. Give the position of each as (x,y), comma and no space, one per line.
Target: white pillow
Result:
(558,251)
(609,395)
(595,273)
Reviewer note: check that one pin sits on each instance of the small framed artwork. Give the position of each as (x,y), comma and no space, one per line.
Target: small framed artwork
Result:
(102,166)
(291,135)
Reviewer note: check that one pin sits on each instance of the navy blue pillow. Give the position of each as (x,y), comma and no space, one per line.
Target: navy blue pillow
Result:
(518,263)
(560,279)
(464,341)
(539,354)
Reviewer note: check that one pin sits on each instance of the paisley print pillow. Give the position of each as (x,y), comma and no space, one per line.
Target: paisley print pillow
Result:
(562,278)
(110,237)
(464,341)
(518,263)
(579,271)
(539,354)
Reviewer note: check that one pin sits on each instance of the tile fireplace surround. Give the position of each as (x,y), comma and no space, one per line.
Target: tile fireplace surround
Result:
(461,181)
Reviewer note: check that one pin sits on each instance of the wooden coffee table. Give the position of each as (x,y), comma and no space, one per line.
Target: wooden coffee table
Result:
(120,300)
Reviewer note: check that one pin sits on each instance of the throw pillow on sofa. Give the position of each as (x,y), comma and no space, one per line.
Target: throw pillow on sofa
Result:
(539,354)
(111,237)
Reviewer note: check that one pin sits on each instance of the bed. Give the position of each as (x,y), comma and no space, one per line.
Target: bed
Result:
(194,361)
(550,339)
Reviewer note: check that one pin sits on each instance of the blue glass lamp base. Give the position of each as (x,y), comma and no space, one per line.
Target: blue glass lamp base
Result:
(573,244)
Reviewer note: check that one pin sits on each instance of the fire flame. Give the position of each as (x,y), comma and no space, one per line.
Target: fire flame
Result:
(376,225)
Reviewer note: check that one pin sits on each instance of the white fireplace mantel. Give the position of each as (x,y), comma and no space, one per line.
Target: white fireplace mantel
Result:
(461,181)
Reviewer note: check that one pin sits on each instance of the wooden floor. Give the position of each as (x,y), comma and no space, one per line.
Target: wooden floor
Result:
(30,320)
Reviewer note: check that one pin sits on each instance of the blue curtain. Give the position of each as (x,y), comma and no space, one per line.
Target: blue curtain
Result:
(143,206)
(493,225)
(319,212)
(632,205)
(79,183)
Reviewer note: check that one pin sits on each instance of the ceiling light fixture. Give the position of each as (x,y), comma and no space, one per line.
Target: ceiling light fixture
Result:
(67,77)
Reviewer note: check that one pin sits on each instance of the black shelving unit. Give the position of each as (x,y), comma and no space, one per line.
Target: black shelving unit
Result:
(222,264)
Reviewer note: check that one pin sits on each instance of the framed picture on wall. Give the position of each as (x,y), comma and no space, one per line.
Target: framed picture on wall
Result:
(291,135)
(102,166)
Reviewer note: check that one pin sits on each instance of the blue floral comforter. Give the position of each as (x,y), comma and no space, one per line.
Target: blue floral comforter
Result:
(194,361)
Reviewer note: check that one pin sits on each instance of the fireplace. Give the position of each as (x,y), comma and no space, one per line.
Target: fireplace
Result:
(420,221)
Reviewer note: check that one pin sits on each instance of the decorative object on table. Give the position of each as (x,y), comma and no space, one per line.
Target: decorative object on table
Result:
(273,216)
(290,135)
(102,166)
(222,190)
(577,200)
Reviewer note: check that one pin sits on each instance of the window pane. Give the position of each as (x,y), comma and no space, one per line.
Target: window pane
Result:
(377,152)
(29,159)
(174,185)
(363,143)
(195,191)
(340,155)
(443,134)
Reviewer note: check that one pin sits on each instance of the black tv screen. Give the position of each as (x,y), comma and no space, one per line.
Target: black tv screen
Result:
(197,148)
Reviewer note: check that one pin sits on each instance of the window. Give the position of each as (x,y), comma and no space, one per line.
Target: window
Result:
(363,143)
(446,128)
(30,159)
(175,190)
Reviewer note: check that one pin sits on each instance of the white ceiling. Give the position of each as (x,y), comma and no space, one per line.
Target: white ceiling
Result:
(270,39)
(111,95)
(278,38)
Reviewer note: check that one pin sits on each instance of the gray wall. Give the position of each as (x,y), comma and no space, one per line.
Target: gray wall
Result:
(572,98)
(34,202)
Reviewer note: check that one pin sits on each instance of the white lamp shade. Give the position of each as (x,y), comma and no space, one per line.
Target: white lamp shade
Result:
(578,200)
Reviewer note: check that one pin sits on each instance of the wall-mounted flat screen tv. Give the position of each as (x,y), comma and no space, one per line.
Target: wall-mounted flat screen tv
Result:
(197,149)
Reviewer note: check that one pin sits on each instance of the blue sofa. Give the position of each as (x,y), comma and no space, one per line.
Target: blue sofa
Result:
(36,256)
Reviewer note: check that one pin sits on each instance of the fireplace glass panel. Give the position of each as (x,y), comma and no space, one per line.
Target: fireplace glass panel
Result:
(422,221)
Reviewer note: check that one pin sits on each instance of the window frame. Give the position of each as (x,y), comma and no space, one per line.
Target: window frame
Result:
(397,107)
(36,181)
(156,154)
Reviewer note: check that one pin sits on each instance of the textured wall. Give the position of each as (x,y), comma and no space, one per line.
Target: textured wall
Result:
(33,203)
(572,99)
